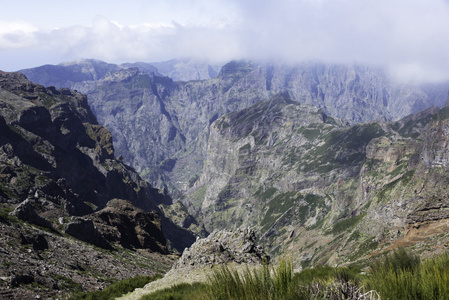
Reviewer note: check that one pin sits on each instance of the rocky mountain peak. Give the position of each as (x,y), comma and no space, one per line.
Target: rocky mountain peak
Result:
(236,68)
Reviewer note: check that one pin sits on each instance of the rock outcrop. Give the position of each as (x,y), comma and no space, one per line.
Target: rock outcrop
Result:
(25,212)
(129,226)
(223,247)
(84,230)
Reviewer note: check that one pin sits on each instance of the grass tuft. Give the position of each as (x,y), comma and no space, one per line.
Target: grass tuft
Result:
(401,275)
(261,283)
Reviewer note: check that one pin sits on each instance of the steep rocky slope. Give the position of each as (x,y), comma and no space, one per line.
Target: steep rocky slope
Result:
(320,189)
(47,264)
(145,111)
(51,145)
(63,228)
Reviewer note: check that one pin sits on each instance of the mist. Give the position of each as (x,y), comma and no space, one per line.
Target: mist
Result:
(409,38)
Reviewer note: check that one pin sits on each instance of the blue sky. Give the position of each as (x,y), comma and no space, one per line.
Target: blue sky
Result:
(409,37)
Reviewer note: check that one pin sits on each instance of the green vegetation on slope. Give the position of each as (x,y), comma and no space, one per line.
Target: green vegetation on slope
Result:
(346,224)
(267,283)
(404,276)
(340,148)
(290,205)
(399,275)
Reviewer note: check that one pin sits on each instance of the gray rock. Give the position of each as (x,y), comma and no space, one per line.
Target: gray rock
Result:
(222,247)
(84,230)
(25,212)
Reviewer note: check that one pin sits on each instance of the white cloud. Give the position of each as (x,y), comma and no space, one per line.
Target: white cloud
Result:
(111,41)
(411,37)
(16,34)
(394,33)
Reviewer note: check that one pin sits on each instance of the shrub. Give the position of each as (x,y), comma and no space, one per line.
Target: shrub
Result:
(401,275)
(261,283)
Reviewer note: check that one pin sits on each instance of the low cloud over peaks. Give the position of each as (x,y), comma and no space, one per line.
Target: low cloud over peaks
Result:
(408,37)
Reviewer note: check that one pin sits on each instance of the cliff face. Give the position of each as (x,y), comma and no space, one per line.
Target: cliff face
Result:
(161,127)
(318,187)
(287,169)
(51,143)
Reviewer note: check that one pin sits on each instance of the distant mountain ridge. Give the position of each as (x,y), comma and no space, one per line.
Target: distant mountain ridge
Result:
(69,73)
(161,126)
(187,69)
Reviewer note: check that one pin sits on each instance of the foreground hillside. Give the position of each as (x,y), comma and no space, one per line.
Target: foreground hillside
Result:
(200,274)
(397,276)
(72,216)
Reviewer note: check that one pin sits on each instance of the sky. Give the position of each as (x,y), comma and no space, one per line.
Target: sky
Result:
(408,37)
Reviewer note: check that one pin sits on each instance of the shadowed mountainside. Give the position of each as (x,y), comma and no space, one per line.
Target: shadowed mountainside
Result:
(63,228)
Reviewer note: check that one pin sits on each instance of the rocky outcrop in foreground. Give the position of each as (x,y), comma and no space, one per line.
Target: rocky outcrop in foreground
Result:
(222,247)
(234,249)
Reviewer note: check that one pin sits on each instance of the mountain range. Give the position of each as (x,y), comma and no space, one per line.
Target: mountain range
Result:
(328,163)
(146,111)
